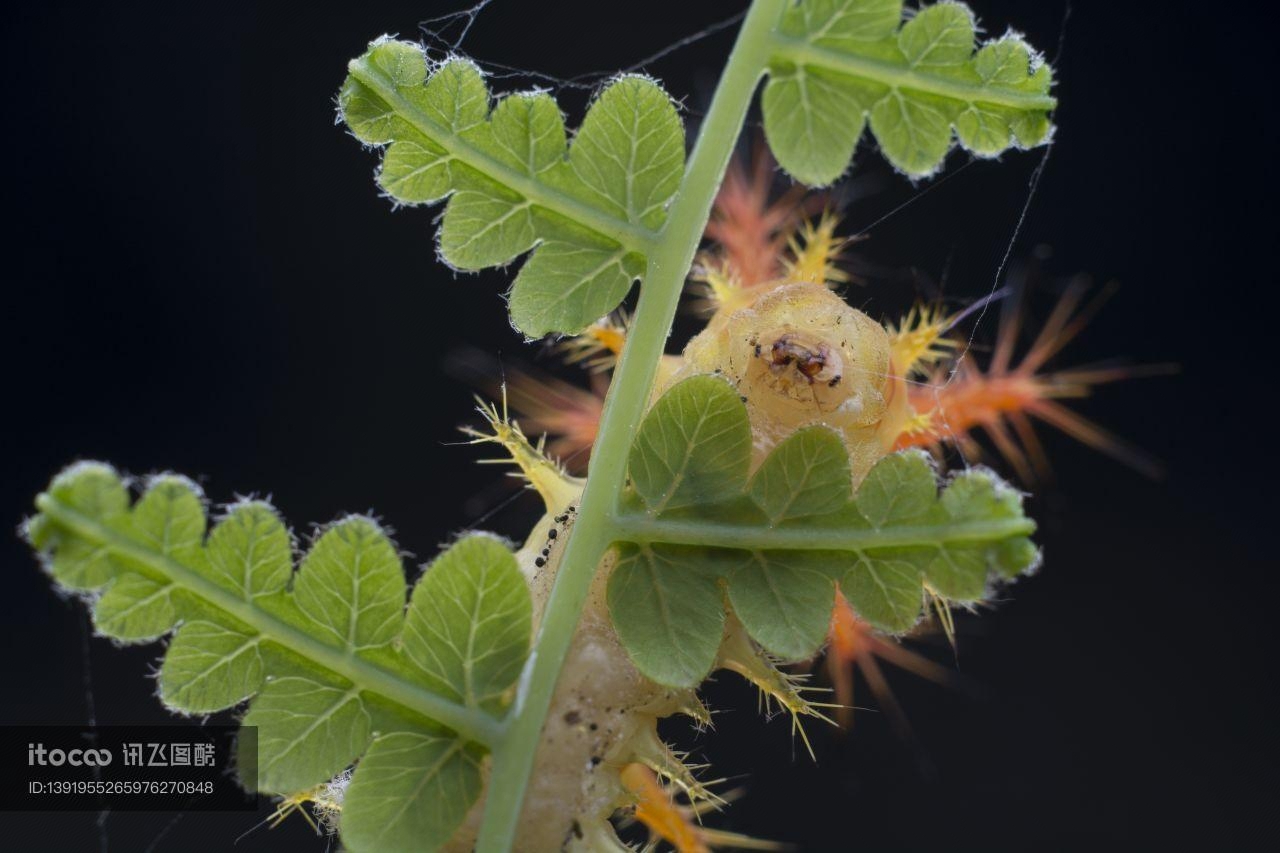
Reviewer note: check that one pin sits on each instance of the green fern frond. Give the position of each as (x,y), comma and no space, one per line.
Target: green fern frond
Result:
(590,211)
(338,669)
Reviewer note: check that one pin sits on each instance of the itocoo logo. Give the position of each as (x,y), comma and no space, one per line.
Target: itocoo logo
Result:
(37,754)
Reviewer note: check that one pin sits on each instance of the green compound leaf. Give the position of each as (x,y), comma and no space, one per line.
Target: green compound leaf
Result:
(589,210)
(333,666)
(840,64)
(698,534)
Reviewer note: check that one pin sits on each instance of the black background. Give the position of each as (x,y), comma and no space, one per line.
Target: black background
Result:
(199,276)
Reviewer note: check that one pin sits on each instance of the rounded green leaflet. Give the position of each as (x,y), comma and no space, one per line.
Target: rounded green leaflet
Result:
(694,446)
(134,609)
(351,586)
(885,589)
(96,490)
(208,667)
(250,552)
(784,600)
(900,488)
(468,626)
(806,475)
(409,792)
(308,732)
(668,611)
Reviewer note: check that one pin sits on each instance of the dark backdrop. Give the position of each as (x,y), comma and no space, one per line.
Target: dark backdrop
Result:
(200,276)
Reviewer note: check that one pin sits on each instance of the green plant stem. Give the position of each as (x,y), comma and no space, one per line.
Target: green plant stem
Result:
(366,675)
(668,265)
(641,528)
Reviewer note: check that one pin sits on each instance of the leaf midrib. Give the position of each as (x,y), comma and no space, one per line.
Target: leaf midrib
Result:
(642,528)
(802,52)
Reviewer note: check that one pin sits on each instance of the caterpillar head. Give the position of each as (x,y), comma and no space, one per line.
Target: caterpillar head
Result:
(800,355)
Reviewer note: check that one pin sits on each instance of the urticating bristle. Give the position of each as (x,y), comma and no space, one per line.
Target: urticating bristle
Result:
(749,232)
(539,471)
(1002,400)
(691,706)
(739,654)
(566,414)
(716,287)
(296,804)
(748,226)
(657,807)
(324,800)
(648,749)
(856,647)
(919,342)
(815,252)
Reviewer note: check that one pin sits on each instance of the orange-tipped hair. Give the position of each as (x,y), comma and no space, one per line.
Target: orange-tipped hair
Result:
(1002,400)
(855,645)
(598,347)
(750,231)
(657,810)
(680,825)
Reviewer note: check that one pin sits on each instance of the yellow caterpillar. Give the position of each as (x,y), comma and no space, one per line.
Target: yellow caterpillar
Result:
(798,355)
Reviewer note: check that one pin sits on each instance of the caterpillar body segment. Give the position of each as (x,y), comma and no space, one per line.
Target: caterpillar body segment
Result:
(604,713)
